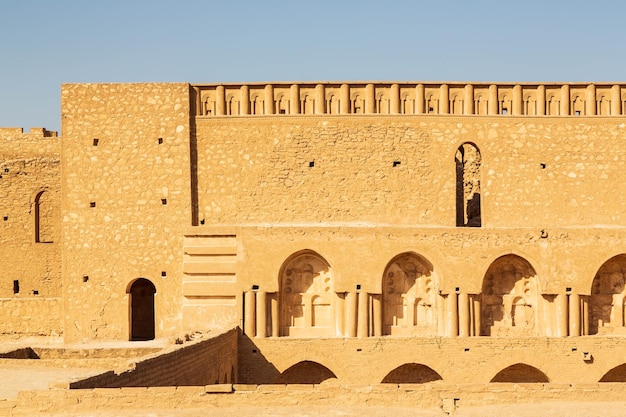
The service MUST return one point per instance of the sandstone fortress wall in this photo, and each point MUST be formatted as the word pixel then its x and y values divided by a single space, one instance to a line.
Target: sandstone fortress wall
pixel 424 227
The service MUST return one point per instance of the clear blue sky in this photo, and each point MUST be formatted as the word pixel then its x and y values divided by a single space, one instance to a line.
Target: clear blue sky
pixel 45 43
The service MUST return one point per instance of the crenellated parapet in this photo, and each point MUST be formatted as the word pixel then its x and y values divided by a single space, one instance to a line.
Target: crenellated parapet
pixel 18 133
pixel 517 99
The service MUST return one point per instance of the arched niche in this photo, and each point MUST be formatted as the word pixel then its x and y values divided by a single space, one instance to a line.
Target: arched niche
pixel 409 289
pixel 141 309
pixel 468 182
pixel 307 297
pixel 509 298
pixel 411 373
pixel 608 296
pixel 44 217
pixel 520 373
pixel 305 372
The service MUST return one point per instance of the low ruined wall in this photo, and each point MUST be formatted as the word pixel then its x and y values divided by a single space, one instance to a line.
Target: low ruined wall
pixel 31 317
pixel 212 361
pixel 425 396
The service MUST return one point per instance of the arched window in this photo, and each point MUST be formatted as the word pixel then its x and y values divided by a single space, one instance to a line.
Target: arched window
pixel 44 218
pixel 468 173
pixel 509 298
pixel 141 309
pixel 307 298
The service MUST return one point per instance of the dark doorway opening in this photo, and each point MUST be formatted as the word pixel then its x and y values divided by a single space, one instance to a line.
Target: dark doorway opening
pixel 142 310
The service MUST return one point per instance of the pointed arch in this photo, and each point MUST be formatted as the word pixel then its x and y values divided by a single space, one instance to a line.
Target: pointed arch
pixel 607 301
pixel 520 373
pixel 305 372
pixel 509 298
pixel 307 296
pixel 468 185
pixel 409 290
pixel 411 373
pixel 141 309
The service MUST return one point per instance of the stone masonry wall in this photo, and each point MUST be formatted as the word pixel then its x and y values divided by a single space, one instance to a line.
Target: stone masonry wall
pixel 126 200
pixel 30 180
pixel 474 360
pixel 301 398
pixel 205 362
pixel 536 172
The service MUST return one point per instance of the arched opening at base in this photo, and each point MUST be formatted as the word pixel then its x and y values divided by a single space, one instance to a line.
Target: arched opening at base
pixel 141 294
pixel 411 373
pixel 617 374
pixel 305 372
pixel 520 373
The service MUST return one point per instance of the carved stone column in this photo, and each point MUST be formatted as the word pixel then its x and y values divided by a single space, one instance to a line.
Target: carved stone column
pixel 475 304
pixel 565 99
pixel 616 100
pixel 377 312
pixel 345 99
pixel 452 317
pixel 275 315
pixel 370 99
pixel 249 307
pixel 574 315
pixel 468 100
pixel 363 316
pixel 561 315
pixel 419 99
pixel 444 99
pixel 394 97
pixel 517 101
pixel 294 99
pixel 590 101
pixel 541 100
pixel 244 99
pixel 320 99
pixel 464 315
pixel 492 105
pixel 261 314
pixel 269 99
pixel 220 100
pixel 351 314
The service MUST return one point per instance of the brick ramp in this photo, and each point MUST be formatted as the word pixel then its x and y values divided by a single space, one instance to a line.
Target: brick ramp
pixel 196 363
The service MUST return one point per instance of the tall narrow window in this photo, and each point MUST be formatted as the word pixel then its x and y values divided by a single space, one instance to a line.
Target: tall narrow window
pixel 44 219
pixel 468 163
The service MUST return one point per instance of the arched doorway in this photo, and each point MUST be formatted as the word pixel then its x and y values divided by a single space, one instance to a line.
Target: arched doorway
pixel 141 299
pixel 409 296
pixel 307 298
pixel 509 298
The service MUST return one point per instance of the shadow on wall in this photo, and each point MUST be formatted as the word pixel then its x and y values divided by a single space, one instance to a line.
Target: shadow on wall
pixel 617 374
pixel 411 373
pixel 254 368
pixel 520 373
pixel 305 372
